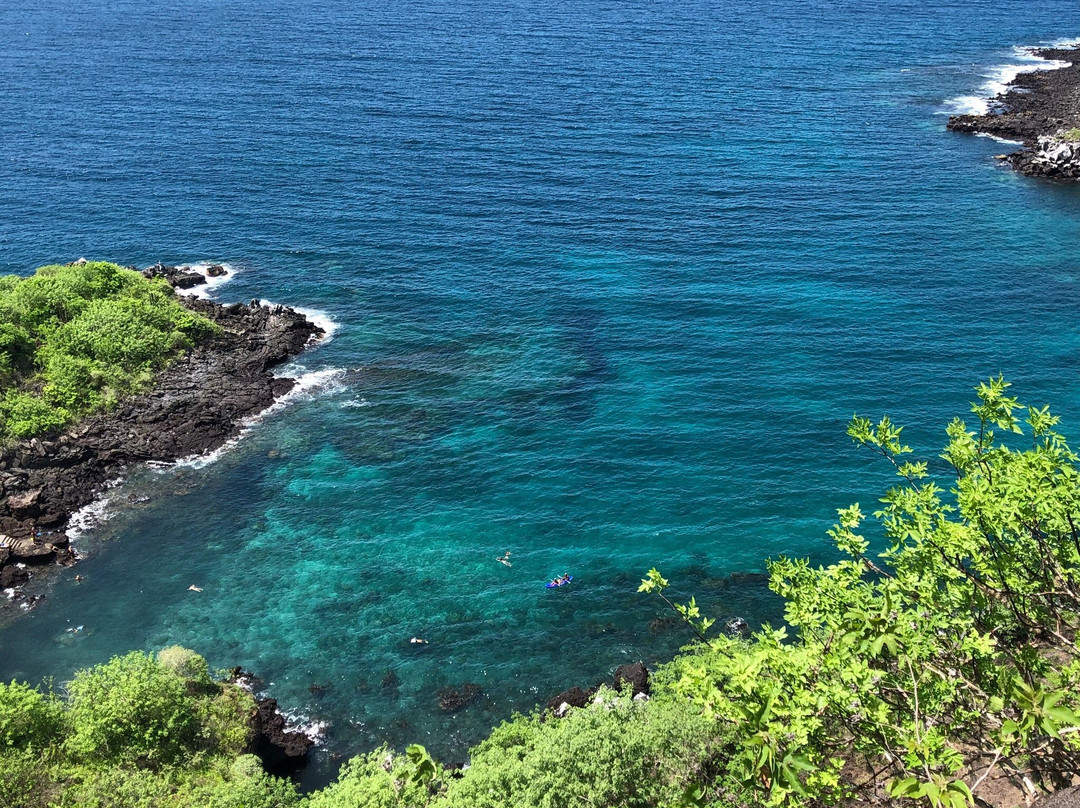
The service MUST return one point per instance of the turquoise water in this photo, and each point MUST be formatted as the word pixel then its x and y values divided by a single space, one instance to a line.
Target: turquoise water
pixel 608 280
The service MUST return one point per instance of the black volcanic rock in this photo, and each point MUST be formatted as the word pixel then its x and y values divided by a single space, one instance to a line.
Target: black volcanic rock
pixel 574 697
pixel 196 405
pixel 1035 108
pixel 636 674
pixel 279 748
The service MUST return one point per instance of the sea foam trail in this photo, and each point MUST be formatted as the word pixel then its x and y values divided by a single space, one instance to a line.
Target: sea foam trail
pixel 1000 77
pixel 90 516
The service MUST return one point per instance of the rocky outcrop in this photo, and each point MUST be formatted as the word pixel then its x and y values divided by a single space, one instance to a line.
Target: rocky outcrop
pixel 1052 156
pixel 1065 798
pixel 1038 108
pixel 196 405
pixel 635 674
pixel 278 747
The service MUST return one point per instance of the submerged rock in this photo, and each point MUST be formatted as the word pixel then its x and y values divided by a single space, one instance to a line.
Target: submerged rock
pixel 452 699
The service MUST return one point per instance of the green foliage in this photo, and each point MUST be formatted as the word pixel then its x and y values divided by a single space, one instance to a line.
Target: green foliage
pixel 24 779
pixel 75 338
pixel 690 613
pixel 29 719
pixel 933 663
pixel 23 415
pixel 615 753
pixel 138 732
pixel 225 720
pixel 378 779
pixel 131 710
pixel 184 663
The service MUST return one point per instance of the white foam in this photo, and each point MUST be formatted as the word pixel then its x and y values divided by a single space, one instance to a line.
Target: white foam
pixel 298 722
pixel 997 139
pixel 967 105
pixel 307 385
pixel 90 516
pixel 355 402
pixel 206 290
pixel 998 79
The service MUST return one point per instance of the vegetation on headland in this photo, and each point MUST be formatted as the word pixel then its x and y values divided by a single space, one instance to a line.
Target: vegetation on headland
pixel 76 338
pixel 926 672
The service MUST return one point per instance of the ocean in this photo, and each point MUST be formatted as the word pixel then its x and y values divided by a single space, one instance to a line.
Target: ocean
pixel 606 281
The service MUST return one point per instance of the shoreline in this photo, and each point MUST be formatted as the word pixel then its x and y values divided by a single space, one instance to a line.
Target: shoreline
pixel 199 403
pixel 1036 109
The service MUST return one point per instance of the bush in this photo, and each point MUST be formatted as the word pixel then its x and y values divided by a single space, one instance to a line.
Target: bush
pixel 25 780
pixel 945 659
pixel 618 752
pixel 74 338
pixel 29 719
pixel 375 780
pixel 131 711
pixel 23 415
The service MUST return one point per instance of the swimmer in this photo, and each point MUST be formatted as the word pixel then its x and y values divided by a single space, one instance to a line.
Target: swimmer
pixel 79 578
pixel 194 588
pixel 505 559
pixel 418 641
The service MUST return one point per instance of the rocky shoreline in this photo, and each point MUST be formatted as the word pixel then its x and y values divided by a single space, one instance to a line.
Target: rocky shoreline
pixel 1041 110
pixel 197 404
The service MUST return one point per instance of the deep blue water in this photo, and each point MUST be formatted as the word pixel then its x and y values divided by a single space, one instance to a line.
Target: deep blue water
pixel 609 279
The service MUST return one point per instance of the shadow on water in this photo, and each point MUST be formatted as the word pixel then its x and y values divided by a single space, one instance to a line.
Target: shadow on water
pixel 577 395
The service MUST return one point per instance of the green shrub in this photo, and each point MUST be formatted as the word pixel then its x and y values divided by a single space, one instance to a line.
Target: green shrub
pixel 247 786
pixel 614 753
pixel 74 338
pixel 25 780
pixel 24 415
pixel 944 660
pixel 225 720
pixel 184 663
pixel 29 719
pixel 131 710
pixel 379 779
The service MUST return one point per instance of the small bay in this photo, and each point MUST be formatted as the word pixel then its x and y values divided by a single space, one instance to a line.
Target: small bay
pixel 608 281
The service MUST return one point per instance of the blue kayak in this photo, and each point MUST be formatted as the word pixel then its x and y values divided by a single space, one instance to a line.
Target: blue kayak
pixel 560 582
